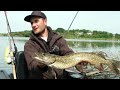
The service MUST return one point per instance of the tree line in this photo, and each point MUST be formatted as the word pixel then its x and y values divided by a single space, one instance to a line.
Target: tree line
pixel 73 34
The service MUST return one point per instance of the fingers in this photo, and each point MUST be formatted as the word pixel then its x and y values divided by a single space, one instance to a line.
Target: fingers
pixel 81 66
pixel 83 63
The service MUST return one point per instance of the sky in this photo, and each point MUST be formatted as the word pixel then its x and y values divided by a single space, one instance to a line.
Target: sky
pixel 108 21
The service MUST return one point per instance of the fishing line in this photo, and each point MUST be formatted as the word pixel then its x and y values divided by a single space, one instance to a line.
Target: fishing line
pixel 72 20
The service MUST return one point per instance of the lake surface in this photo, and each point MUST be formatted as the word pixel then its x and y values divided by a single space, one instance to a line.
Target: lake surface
pixel 112 48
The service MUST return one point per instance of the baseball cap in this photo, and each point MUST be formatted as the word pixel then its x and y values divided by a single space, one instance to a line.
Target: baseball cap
pixel 35 14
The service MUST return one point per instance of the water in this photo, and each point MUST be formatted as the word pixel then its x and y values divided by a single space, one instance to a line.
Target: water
pixel 112 48
pixel 4 42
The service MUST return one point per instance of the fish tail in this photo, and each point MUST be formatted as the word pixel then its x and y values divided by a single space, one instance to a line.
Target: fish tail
pixel 113 67
pixel 116 63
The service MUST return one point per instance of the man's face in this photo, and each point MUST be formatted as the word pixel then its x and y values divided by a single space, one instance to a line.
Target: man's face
pixel 38 24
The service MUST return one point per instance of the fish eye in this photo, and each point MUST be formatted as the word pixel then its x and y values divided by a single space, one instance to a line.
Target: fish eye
pixel 43 54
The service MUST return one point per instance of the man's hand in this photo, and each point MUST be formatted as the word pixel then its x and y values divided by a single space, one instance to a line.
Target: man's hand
pixel 80 66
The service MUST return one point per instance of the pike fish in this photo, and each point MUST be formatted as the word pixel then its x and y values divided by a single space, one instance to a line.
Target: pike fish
pixel 71 60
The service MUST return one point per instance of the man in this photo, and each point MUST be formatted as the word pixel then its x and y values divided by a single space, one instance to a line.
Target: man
pixel 43 39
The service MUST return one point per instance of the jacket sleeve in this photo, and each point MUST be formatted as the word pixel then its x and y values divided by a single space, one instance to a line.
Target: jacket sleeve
pixel 33 65
pixel 64 48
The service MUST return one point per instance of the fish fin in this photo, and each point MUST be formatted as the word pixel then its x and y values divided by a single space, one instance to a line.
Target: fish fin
pixel 100 67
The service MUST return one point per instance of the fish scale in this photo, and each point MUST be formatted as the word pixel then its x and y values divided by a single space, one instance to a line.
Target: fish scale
pixel 71 60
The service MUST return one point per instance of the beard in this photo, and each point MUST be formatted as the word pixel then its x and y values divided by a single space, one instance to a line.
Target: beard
pixel 41 31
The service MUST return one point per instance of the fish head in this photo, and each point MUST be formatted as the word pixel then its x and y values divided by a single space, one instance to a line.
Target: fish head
pixel 44 58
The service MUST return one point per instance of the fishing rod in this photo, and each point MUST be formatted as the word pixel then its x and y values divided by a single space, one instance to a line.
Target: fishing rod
pixel 72 20
pixel 12 54
pixel 71 23
pixel 9 32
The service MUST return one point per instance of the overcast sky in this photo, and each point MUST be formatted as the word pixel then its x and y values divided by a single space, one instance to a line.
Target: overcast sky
pixel 92 20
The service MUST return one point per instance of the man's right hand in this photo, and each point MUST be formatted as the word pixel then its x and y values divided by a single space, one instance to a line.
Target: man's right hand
pixel 80 66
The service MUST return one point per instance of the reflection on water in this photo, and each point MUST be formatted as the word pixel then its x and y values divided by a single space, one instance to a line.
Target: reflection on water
pixel 112 48
pixel 100 44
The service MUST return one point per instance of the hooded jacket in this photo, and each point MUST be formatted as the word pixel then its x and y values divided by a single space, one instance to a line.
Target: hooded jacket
pixel 55 44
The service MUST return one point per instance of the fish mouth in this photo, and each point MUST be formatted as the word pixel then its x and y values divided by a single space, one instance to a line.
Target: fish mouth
pixel 41 61
pixel 38 58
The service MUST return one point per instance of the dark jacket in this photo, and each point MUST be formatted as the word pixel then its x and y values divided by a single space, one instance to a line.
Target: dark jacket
pixel 55 44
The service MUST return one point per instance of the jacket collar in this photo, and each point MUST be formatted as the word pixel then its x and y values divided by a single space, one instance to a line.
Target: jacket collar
pixel 52 38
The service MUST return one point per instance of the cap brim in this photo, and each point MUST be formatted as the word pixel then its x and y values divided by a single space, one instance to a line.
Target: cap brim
pixel 27 18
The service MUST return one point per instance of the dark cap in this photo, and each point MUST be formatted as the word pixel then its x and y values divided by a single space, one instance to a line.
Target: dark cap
pixel 35 14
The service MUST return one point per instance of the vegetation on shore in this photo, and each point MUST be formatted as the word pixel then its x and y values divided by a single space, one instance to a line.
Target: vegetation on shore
pixel 73 34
